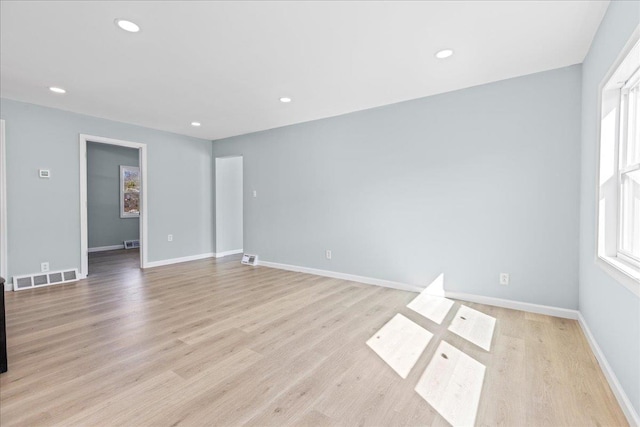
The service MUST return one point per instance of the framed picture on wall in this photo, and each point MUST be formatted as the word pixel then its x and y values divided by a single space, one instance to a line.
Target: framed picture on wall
pixel 129 191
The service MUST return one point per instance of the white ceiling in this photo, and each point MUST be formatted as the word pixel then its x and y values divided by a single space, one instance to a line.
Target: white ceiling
pixel 226 64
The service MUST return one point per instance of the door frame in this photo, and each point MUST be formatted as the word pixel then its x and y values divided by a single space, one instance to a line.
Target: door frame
pixel 215 173
pixel 4 246
pixel 144 211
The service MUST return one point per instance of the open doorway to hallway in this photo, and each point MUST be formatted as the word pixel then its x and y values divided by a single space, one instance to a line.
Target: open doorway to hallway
pixel 131 191
pixel 113 207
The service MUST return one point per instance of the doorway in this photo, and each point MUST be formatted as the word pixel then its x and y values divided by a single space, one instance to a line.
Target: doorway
pixel 3 205
pixel 102 233
pixel 229 206
pixel 113 208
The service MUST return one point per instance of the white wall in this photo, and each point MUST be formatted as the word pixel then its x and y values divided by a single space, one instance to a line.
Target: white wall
pixel 44 214
pixel 611 311
pixel 229 203
pixel 469 183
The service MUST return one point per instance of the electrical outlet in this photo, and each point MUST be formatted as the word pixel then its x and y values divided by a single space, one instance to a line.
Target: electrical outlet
pixel 170 238
pixel 44 267
pixel 328 254
pixel 504 279
pixel 255 193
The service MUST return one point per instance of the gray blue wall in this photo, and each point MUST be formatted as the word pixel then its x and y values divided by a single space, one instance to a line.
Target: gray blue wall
pixel 469 183
pixel 105 226
pixel 611 310
pixel 44 215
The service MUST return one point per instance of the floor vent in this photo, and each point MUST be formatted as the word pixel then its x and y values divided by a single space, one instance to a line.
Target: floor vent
pixel 131 244
pixel 39 280
pixel 249 259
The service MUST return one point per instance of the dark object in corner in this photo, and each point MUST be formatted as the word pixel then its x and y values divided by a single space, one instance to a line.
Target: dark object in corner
pixel 3 331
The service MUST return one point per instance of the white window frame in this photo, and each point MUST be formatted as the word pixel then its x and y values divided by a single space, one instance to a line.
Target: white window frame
pixel 624 168
pixel 622 266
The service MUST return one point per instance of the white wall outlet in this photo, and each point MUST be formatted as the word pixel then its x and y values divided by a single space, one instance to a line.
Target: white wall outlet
pixel 504 279
pixel 170 238
pixel 44 173
pixel 328 254
pixel 44 267
pixel 255 193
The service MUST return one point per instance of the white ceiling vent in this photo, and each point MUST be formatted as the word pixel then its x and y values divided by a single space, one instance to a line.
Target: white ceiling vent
pixel 38 280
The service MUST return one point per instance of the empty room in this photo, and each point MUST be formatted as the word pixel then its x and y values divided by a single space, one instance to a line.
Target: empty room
pixel 320 213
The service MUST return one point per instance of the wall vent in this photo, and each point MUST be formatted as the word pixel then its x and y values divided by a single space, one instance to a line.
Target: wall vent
pixel 131 244
pixel 39 280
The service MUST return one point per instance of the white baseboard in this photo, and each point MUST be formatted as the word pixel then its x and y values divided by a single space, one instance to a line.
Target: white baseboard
pixel 616 388
pixel 152 264
pixel 227 253
pixel 106 248
pixel 515 305
pixel 344 276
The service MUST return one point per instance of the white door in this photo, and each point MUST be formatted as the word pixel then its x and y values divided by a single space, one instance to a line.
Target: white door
pixel 229 205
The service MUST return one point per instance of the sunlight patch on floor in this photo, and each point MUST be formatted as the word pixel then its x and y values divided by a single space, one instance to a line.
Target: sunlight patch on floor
pixel 452 384
pixel 431 302
pixel 400 342
pixel 431 307
pixel 473 326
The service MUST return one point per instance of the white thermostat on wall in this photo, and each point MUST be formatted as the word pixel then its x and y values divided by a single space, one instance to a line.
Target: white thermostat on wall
pixel 44 173
pixel 249 259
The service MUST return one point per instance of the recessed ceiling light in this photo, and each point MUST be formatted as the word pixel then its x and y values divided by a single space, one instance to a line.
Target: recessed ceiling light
pixel 127 25
pixel 196 124
pixel 444 53
pixel 57 89
pixel 285 99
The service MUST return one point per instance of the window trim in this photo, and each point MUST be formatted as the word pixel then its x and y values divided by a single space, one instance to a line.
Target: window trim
pixel 620 267
pixel 623 167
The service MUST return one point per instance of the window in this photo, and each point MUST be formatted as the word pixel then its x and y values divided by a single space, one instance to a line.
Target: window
pixel 129 192
pixel 619 174
pixel 630 170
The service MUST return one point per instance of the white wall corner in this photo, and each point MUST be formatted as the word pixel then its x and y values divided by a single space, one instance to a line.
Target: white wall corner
pixel 625 404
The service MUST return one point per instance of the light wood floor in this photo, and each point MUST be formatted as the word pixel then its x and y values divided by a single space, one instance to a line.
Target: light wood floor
pixel 213 342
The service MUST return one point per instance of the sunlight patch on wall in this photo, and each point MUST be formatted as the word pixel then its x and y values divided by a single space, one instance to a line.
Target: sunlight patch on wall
pixel 433 308
pixel 431 302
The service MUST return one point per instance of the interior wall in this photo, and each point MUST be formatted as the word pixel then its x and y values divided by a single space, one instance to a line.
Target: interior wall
pixel 611 311
pixel 3 165
pixel 229 191
pixel 470 183
pixel 105 226
pixel 44 214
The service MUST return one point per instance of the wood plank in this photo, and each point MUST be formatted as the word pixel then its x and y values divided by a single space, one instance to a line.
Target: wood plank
pixel 212 342
pixel 474 326
pixel 452 385
pixel 400 342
